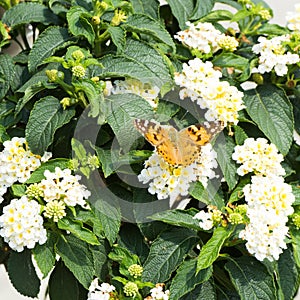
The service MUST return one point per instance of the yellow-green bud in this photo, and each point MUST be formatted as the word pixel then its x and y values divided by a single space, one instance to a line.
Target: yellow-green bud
pixel 258 78
pixel 78 71
pixel 55 210
pixel 131 289
pixel 265 14
pixel 235 218
pixel 119 17
pixel 65 102
pixel 296 220
pixel 96 20
pixel 74 164
pixel 78 55
pixel 135 270
pixel 93 161
pixel 34 191
pixel 52 75
pixel 95 79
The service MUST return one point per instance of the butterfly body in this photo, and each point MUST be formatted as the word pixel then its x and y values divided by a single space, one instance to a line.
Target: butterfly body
pixel 178 148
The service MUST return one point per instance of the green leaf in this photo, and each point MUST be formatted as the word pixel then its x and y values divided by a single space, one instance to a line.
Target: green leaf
pixel 108 212
pixel 77 257
pixel 211 250
pixel 237 193
pixel 44 255
pixel 22 273
pixel 269 107
pixel 3 135
pixel 202 8
pixel 272 29
pixel 226 163
pixel 77 228
pixel 26 13
pixel 239 135
pixel 100 257
pixel 186 279
pixel 18 190
pixel 251 279
pixel 131 238
pixel 63 284
pixel 45 118
pixel 178 217
pixel 288 274
pixel 7 70
pixel 79 24
pixel 208 195
pixel 50 40
pixel 240 15
pixel 38 174
pixel 147 7
pixel 204 291
pixel 217 15
pixel 167 252
pixel 231 60
pixel 144 24
pixel 124 109
pixel 139 61
pixel 296 192
pixel 118 37
pixel 182 10
pixel 105 160
pixel 295 236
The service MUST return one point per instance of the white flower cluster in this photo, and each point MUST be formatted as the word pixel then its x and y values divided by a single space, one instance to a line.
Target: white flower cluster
pixel 62 185
pixel 22 225
pixel 158 293
pixel 100 292
pixel 17 163
pixel 134 86
pixel 269 202
pixel 273 55
pixel 201 83
pixel 293 18
pixel 169 181
pixel 258 156
pixel 205 38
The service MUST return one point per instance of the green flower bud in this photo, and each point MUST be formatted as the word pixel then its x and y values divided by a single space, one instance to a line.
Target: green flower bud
pixel 78 71
pixel 135 270
pixel 95 20
pixel 34 191
pixel 78 55
pixel 131 289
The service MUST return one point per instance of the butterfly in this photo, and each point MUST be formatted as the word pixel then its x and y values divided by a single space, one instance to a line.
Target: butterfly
pixel 178 148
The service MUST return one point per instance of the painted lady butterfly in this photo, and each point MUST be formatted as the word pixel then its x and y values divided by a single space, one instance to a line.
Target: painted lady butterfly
pixel 178 148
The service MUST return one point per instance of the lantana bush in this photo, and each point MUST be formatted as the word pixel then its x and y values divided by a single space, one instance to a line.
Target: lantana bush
pixel 150 150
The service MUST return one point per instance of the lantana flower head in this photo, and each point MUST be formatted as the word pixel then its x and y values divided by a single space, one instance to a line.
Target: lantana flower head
pixel 293 18
pixel 17 163
pixel 269 202
pixel 22 224
pixel 258 156
pixel 158 293
pixel 201 83
pixel 273 55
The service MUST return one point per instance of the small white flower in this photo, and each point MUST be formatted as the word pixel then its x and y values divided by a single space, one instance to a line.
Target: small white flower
pixel 100 292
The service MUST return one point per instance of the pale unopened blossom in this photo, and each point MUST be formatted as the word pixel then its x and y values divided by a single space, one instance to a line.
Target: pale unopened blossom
pixel 22 224
pixel 158 293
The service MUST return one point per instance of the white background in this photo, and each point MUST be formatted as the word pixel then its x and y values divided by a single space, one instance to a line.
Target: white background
pixel 280 8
